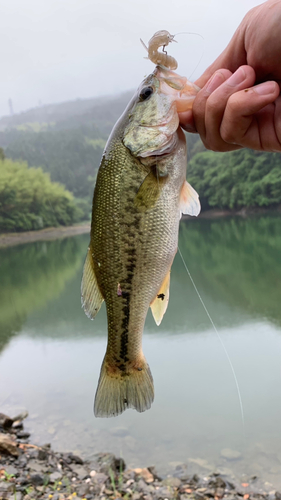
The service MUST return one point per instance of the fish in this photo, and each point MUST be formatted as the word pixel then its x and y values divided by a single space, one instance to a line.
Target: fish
pixel 140 194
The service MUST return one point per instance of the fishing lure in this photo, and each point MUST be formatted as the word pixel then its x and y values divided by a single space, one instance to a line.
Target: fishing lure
pixel 161 39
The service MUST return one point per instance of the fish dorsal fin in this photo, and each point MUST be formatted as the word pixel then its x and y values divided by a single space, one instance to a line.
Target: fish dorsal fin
pixel 91 297
pixel 160 303
pixel 189 200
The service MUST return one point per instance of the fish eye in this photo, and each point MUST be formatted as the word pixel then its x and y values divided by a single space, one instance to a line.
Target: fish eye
pixel 145 93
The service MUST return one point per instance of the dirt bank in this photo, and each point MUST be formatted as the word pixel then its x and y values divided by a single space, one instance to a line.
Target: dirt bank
pixel 51 233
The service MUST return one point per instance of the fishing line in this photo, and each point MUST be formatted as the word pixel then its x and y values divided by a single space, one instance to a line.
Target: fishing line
pixel 203 52
pixel 220 339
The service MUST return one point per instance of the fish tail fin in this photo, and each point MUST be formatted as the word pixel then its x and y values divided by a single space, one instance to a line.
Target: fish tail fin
pixel 118 390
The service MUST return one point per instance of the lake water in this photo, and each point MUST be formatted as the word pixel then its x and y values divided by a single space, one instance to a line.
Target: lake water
pixel 50 352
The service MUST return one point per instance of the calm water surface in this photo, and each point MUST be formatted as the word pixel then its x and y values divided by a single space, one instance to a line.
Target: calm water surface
pixel 50 352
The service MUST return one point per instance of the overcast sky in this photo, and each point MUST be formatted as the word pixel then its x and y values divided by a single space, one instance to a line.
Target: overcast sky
pixel 59 50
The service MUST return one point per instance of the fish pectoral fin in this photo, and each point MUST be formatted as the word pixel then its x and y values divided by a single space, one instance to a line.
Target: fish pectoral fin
pixel 91 296
pixel 160 303
pixel 149 191
pixel 189 200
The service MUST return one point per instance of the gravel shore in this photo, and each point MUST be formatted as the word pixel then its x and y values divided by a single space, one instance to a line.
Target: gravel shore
pixel 28 471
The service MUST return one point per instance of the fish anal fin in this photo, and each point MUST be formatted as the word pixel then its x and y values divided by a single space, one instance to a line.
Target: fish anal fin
pixel 149 191
pixel 91 296
pixel 118 390
pixel 160 303
pixel 189 200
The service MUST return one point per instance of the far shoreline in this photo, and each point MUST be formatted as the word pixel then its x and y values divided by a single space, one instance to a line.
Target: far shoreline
pixel 53 233
pixel 48 234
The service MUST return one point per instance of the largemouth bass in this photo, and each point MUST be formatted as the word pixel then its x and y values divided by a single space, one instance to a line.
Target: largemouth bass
pixel 139 197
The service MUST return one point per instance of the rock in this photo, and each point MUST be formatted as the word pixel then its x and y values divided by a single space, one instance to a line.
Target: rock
pixel 37 479
pixel 75 459
pixel 107 461
pixel 99 478
pixel 277 495
pixel 143 487
pixel 181 472
pixel 164 492
pixel 83 490
pixel 22 480
pixel 7 445
pixel 55 476
pixel 145 474
pixel 81 472
pixel 23 434
pixel 42 454
pixel 217 482
pixel 173 482
pixel 6 487
pixel 22 461
pixel 17 496
pixel 136 496
pixel 36 466
pixel 230 454
pixel 17 424
pixel 10 469
pixel 152 469
pixel 21 416
pixel 5 421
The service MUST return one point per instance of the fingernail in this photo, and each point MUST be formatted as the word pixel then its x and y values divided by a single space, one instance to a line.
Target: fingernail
pixel 265 88
pixel 216 80
pixel 237 77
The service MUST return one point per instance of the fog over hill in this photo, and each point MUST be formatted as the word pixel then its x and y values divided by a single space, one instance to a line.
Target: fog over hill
pixel 99 111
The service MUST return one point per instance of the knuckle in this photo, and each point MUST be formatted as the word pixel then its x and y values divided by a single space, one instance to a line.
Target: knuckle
pixel 212 105
pixel 228 134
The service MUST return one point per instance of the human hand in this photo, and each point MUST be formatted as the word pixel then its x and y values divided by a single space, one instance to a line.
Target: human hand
pixel 229 114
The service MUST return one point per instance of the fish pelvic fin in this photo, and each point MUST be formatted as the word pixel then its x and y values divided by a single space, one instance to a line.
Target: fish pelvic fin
pixel 159 305
pixel 119 390
pixel 189 200
pixel 91 297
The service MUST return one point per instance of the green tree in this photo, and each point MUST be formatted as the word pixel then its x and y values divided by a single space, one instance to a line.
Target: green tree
pixel 29 200
pixel 238 179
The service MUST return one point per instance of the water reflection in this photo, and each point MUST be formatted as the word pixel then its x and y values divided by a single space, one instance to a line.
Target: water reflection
pixel 236 262
pixel 236 266
pixel 32 275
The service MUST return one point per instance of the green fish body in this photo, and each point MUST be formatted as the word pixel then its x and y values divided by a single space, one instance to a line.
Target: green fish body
pixel 139 196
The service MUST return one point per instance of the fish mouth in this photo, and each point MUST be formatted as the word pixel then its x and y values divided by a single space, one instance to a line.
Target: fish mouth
pixel 181 91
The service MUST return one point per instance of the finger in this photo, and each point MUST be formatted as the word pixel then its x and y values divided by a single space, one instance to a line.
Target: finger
pixel 250 118
pixel 217 102
pixel 199 105
pixel 187 121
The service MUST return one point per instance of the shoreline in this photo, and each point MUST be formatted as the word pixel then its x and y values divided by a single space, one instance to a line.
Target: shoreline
pixel 29 471
pixel 53 233
pixel 48 234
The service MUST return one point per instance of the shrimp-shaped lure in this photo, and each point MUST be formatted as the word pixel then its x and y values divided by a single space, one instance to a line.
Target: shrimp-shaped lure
pixel 160 39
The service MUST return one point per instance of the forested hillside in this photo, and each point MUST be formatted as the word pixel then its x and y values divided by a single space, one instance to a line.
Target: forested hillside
pixel 237 179
pixel 67 140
